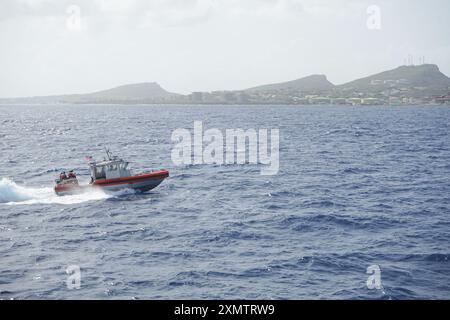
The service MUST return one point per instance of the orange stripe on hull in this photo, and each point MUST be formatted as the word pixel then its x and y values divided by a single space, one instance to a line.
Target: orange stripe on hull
pixel 74 188
pixel 133 179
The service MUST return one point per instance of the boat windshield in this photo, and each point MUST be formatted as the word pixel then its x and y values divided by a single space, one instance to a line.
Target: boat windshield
pixel 100 172
pixel 123 165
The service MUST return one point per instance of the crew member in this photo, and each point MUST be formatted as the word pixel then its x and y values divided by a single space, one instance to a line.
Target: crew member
pixel 63 176
pixel 72 174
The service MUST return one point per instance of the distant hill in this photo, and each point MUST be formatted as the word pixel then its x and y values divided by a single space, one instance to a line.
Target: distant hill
pixel 127 93
pixel 426 75
pixel 406 84
pixel 316 82
pixel 138 91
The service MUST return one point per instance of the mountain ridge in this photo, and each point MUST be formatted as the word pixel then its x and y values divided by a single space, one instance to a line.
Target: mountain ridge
pixel 417 81
pixel 425 75
pixel 314 82
pixel 132 92
pixel 143 90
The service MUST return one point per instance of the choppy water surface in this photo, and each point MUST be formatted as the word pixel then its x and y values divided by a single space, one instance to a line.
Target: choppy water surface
pixel 358 186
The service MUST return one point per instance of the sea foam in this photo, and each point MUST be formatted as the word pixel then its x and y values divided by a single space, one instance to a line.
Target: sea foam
pixel 13 194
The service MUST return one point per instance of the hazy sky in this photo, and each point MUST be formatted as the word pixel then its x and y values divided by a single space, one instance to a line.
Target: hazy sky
pixel 58 46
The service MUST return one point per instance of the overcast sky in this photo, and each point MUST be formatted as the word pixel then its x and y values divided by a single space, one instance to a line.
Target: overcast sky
pixel 58 46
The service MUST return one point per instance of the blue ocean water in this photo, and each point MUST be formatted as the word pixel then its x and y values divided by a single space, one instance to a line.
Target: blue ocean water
pixel 357 186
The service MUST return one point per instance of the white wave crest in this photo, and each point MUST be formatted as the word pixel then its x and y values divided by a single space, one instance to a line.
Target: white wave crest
pixel 13 194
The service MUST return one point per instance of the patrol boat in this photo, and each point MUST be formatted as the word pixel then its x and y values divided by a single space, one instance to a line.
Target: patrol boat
pixel 111 174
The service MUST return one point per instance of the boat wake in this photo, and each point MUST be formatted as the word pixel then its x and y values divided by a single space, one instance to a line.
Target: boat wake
pixel 13 194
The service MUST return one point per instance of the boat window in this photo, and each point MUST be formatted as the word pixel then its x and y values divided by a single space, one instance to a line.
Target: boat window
pixel 100 173
pixel 123 166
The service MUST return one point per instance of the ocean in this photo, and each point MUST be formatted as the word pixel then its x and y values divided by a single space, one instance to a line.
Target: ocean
pixel 358 189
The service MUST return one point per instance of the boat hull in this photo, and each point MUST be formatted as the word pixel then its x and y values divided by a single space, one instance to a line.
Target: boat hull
pixel 141 183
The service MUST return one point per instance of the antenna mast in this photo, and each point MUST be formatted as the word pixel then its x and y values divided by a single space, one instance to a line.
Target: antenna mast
pixel 108 153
